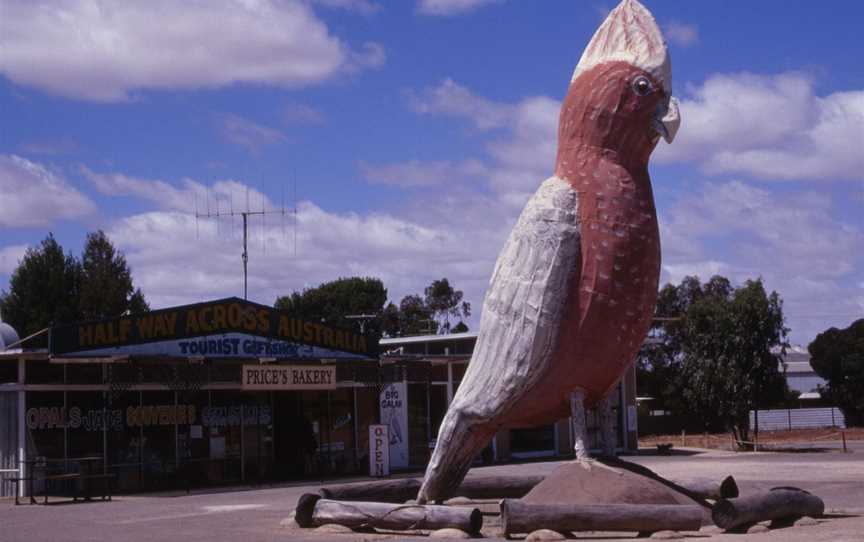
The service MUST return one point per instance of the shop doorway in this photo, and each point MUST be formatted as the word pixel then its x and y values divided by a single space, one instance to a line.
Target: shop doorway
pixel 295 444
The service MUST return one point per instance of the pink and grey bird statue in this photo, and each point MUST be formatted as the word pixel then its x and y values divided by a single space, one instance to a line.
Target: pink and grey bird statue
pixel 572 294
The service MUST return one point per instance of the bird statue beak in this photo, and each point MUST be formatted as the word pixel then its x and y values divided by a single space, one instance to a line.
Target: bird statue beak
pixel 668 120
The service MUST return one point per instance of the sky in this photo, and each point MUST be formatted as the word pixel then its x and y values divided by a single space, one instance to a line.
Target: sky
pixel 400 139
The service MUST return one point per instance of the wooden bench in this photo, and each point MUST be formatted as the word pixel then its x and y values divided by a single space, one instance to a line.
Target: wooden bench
pixel 17 482
pixel 108 479
pixel 58 478
pixel 84 492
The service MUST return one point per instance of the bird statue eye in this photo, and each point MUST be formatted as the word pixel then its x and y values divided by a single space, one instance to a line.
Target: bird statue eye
pixel 642 86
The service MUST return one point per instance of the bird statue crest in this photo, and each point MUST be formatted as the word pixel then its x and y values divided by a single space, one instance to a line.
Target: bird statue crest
pixel 572 294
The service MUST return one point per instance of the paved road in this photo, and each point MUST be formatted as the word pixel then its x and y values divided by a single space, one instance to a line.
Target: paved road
pixel 254 515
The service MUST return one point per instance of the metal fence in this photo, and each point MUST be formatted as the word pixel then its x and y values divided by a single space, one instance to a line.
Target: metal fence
pixel 798 418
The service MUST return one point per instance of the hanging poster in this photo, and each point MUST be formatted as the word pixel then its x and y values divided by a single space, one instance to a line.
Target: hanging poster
pixel 394 414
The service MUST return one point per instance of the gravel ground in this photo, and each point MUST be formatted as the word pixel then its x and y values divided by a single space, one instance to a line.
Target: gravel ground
pixel 254 514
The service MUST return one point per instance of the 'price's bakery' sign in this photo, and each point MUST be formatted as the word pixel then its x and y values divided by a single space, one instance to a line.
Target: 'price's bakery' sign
pixel 289 377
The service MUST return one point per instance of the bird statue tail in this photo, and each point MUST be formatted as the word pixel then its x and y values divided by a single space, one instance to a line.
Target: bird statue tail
pixel 460 439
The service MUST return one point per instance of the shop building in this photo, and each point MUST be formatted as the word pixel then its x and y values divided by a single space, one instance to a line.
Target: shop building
pixel 230 391
pixel 448 356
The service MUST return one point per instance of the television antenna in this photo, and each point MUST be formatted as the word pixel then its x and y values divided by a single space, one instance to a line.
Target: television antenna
pixel 263 212
pixel 363 318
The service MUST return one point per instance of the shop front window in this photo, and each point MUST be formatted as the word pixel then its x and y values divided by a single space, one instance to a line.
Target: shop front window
pixel 339 451
pixel 534 442
pixel 8 371
pixel 87 420
pixel 222 422
pixel 367 414
pixel 124 439
pixel 257 436
pixel 437 407
pixel 156 416
pixel 313 432
pixel 418 423
pixel 43 372
pixel 46 419
pixel 193 451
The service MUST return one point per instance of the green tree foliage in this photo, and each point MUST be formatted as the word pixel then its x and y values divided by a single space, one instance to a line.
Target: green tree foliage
pixel 49 287
pixel 43 290
pixel 659 364
pixel 717 353
pixel 445 302
pixel 732 341
pixel 415 317
pixel 332 301
pixel 837 355
pixel 106 289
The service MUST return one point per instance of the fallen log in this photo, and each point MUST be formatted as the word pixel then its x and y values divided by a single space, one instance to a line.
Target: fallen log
pixel 392 491
pixel 313 511
pixel 497 487
pixel 709 489
pixel 521 517
pixel 398 491
pixel 778 504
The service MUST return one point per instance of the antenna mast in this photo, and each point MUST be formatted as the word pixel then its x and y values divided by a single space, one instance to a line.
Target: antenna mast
pixel 245 215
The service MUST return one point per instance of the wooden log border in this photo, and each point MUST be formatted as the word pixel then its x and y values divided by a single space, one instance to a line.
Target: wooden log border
pixel 313 511
pixel 522 517
pixel 777 504
pixel 399 491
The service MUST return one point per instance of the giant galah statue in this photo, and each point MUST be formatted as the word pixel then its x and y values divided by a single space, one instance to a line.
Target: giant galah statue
pixel 573 291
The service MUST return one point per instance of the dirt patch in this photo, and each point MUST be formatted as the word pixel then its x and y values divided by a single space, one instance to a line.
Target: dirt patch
pixel 775 440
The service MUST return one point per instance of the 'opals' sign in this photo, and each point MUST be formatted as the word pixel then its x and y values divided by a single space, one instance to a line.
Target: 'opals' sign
pixel 289 377
pixel 226 328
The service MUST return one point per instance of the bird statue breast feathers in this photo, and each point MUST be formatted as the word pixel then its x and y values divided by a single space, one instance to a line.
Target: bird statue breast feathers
pixel 573 291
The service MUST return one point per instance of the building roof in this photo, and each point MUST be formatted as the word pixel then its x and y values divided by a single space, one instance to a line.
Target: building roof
pixel 396 341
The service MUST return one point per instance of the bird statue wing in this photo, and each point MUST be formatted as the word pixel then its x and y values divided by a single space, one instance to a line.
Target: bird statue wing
pixel 521 314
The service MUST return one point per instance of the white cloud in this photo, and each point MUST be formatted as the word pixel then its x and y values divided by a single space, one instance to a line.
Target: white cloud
pixel 450 7
pixel 10 256
pixel 106 51
pixel 792 240
pixel 363 7
pixel 682 34
pixel 525 156
pixel 675 272
pixel 34 195
pixel 770 127
pixel 796 232
pixel 248 134
pixel 736 229
pixel 415 173
pixel 176 261
pixel 452 99
pixel 522 152
pixel 190 196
